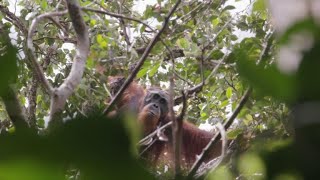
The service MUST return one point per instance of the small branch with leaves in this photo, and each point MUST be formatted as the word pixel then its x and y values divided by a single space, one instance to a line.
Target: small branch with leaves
pixel 216 138
pixel 142 59
pixel 59 95
pixel 228 123
pixel 8 95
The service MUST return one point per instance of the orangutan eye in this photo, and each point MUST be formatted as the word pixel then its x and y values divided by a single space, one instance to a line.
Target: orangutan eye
pixel 156 96
pixel 162 101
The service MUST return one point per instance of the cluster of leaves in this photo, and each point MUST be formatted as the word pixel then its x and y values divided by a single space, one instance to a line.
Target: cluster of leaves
pixel 199 35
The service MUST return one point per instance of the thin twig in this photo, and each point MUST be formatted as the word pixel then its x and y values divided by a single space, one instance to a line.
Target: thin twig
pixel 124 27
pixel 37 68
pixel 142 59
pixel 198 88
pixel 154 133
pixel 184 106
pixel 146 148
pixel 175 131
pixel 183 79
pixel 211 165
pixel 117 16
pixel 57 23
pixel 178 136
pixel 231 119
pixel 121 17
pixel 217 137
pixel 15 20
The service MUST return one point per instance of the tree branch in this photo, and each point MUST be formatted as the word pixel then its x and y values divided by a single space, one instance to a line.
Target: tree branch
pixel 177 132
pixel 32 99
pixel 184 106
pixel 176 129
pixel 15 20
pixel 142 59
pixel 141 142
pixel 217 137
pixel 7 94
pixel 198 88
pixel 30 50
pixel 211 165
pixel 14 109
pixel 60 94
pixel 117 16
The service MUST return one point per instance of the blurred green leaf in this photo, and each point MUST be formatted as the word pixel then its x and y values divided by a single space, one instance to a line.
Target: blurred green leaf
pixel 308 81
pixel 154 69
pixel 221 172
pixel 229 7
pixel 102 41
pixel 234 133
pixel 183 43
pixel 259 6
pixel 8 66
pixel 252 166
pixel 267 80
pixel 99 147
pixel 142 72
pixel 229 92
pixel 307 25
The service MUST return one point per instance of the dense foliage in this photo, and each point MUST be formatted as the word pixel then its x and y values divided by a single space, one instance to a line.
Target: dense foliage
pixel 205 44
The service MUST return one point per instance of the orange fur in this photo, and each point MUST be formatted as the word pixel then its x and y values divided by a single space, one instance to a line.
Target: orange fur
pixel 193 139
pixel 148 120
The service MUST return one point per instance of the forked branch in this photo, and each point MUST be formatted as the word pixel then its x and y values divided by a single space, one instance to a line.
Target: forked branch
pixel 61 94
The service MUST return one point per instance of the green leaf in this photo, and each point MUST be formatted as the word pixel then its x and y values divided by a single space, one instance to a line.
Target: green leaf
pixel 229 7
pixel 308 81
pixel 183 43
pixel 93 22
pixel 216 54
pixel 266 80
pixel 233 37
pixel 12 129
pixel 142 72
pixel 301 26
pixel 154 69
pixel 203 114
pixel 249 117
pixel 28 169
pixel 233 134
pixel 215 22
pixel 142 29
pixel 22 99
pixel 250 164
pixel 101 41
pixel 41 123
pixel 229 92
pixel 259 6
pixel 157 48
pixel 8 66
pixel 221 172
pixel 224 103
pixel 194 50
pixel 90 63
pixel 39 98
pixel 44 4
